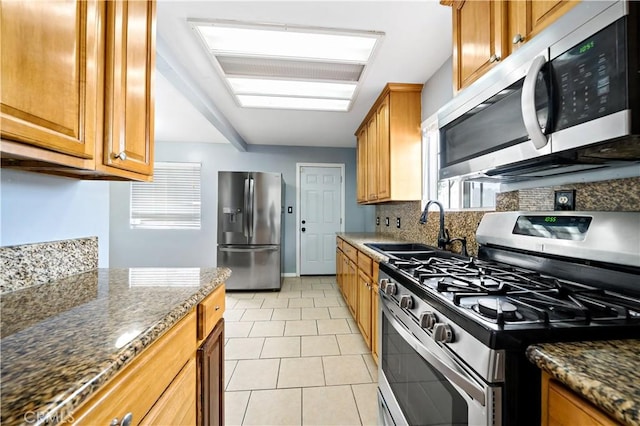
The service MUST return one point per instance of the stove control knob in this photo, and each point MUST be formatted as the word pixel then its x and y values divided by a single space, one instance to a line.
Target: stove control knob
pixel 390 289
pixel 383 283
pixel 442 333
pixel 428 320
pixel 406 302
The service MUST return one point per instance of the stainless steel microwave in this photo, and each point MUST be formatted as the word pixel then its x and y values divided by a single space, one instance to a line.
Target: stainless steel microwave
pixel 566 101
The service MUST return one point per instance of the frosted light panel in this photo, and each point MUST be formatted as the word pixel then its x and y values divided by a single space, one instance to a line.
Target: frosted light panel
pixel 293 103
pixel 291 88
pixel 290 43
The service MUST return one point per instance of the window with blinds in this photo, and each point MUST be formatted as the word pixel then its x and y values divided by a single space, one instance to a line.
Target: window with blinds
pixel 171 201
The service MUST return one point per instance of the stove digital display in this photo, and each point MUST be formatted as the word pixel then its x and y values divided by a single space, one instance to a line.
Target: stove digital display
pixel 553 227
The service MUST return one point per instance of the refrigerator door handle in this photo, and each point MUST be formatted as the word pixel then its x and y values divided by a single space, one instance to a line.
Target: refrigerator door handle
pixel 251 206
pixel 245 224
pixel 248 249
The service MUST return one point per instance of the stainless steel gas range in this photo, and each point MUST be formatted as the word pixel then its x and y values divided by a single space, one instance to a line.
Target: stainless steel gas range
pixel 454 329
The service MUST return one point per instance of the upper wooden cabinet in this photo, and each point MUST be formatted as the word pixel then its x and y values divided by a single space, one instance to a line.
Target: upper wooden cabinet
pixel 485 32
pixel 361 190
pixel 528 18
pixel 129 100
pixel 51 62
pixel 391 169
pixel 478 40
pixel 77 87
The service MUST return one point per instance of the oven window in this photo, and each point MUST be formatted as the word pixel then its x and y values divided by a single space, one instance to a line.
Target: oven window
pixel 424 395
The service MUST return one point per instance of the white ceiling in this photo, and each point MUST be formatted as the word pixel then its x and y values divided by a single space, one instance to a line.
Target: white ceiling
pixel 417 41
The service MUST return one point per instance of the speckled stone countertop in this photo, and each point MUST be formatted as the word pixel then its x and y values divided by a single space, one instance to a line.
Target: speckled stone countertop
pixel 358 239
pixel 62 340
pixel 607 373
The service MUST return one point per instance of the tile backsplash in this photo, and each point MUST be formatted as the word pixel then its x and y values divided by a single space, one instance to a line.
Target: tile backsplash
pixel 611 195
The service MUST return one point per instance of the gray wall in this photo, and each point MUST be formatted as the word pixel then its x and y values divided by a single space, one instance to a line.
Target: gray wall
pixel 438 90
pixel 137 247
pixel 38 208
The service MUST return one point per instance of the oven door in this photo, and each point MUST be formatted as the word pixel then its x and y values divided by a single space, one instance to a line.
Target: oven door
pixel 420 384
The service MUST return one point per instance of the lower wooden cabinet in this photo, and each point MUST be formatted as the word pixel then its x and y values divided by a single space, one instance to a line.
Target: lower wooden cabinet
pixel 164 384
pixel 364 306
pixel 562 407
pixel 211 378
pixel 358 282
pixel 175 406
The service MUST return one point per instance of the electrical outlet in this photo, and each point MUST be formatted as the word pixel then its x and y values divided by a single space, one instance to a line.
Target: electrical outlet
pixel 378 221
pixel 386 221
pixel 397 222
pixel 290 209
pixel 565 200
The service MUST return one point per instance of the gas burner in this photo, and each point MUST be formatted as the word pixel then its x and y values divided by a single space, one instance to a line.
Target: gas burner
pixel 497 309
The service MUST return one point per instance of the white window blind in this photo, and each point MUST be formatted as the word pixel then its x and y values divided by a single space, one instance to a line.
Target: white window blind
pixel 171 201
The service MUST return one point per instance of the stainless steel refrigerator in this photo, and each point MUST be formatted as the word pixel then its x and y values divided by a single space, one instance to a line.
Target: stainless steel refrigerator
pixel 250 229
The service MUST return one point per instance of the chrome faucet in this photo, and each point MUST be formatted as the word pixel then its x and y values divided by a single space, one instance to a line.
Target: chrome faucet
pixel 443 234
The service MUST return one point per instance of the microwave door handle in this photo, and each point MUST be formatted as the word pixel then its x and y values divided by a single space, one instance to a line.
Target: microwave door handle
pixel 457 378
pixel 528 104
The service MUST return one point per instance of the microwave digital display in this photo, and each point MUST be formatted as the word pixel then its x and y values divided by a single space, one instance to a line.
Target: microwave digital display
pixel 554 227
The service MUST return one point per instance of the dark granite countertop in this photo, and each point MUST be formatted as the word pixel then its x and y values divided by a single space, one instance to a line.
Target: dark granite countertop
pixel 357 239
pixel 606 373
pixel 62 340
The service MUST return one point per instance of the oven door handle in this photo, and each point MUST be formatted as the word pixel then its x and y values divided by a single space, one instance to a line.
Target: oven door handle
pixel 476 392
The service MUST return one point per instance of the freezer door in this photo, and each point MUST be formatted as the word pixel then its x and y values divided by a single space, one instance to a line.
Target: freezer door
pixel 265 208
pixel 252 268
pixel 233 202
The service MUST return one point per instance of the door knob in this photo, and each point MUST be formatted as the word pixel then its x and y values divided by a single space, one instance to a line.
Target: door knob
pixel 304 229
pixel 304 221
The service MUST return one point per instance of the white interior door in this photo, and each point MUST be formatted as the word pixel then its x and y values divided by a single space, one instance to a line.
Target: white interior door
pixel 320 218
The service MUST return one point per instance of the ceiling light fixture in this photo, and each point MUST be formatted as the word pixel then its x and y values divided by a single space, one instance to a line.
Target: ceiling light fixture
pixel 284 66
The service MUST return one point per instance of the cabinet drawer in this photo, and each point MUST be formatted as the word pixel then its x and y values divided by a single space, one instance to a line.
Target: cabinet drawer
pixel 210 311
pixel 177 405
pixel 350 251
pixel 365 263
pixel 138 386
pixel 339 243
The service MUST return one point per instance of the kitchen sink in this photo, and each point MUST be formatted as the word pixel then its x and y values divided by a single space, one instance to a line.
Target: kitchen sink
pixel 403 250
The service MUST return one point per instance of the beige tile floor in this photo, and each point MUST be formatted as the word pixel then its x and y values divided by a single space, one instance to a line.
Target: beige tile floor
pixel 296 357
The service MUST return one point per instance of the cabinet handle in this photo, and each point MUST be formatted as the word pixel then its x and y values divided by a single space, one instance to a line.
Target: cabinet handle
pixel 120 156
pixel 126 420
pixel 217 308
pixel 494 58
pixel 517 38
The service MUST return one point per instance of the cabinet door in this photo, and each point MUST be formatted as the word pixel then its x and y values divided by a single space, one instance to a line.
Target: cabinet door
pixel 50 68
pixel 544 12
pixel 477 39
pixel 177 405
pixel 352 290
pixel 210 402
pixel 528 18
pixel 374 312
pixel 129 100
pixel 372 159
pixel 362 171
pixel 364 307
pixel 384 151
pixel 560 407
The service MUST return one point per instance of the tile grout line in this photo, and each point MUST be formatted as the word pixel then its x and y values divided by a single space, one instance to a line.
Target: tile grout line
pixel 355 400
